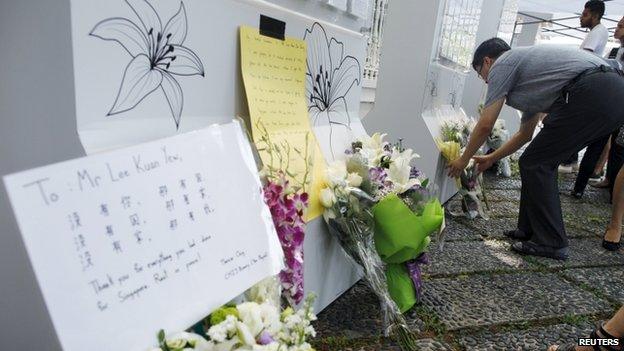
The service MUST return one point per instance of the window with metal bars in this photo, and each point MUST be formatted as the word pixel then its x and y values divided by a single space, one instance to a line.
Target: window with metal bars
pixel 459 32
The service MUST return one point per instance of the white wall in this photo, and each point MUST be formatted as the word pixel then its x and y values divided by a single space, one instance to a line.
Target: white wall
pixel 37 127
pixel 408 44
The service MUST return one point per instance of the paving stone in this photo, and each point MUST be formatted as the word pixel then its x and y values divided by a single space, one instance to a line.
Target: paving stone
pixel 576 232
pixel 587 216
pixel 503 209
pixel 387 345
pixel 481 300
pixel 493 227
pixel 457 230
pixel 356 314
pixel 585 252
pixel 598 196
pixel 497 195
pixel 475 256
pixel 431 345
pixel 531 339
pixel 502 183
pixel 608 280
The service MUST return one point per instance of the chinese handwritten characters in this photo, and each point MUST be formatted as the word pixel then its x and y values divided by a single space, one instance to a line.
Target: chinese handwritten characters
pixel 171 228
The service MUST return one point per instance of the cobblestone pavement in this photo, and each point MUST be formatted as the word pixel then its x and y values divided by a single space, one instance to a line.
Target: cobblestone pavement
pixel 478 295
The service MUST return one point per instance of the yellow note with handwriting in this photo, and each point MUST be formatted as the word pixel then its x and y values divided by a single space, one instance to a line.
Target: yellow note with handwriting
pixel 274 77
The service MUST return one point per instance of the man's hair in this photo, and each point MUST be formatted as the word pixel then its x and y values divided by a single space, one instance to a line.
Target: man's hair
pixel 596 7
pixel 491 48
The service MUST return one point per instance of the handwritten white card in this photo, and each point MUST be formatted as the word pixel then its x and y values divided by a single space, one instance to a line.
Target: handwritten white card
pixel 152 236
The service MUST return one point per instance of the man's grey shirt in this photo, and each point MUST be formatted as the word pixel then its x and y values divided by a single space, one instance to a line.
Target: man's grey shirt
pixel 531 78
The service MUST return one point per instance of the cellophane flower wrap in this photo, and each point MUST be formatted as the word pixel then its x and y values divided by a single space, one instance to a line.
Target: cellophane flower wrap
pixel 249 326
pixel 454 136
pixel 379 208
pixel 499 136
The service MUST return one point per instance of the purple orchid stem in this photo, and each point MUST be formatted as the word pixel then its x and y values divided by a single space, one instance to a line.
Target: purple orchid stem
pixel 287 212
pixel 413 268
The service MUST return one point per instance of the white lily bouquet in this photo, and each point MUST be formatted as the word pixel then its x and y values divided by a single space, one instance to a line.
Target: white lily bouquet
pixel 380 209
pixel 249 326
pixel 454 136
pixel 495 140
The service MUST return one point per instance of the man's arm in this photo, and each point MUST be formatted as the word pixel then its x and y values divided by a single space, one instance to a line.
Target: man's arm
pixel 521 137
pixel 478 136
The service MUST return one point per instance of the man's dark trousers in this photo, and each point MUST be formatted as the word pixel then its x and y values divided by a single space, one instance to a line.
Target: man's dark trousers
pixel 594 108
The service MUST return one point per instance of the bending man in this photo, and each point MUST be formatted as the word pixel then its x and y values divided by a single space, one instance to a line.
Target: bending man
pixel 584 98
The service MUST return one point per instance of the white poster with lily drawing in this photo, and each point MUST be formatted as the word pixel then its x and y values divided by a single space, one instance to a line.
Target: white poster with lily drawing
pixel 153 236
pixel 148 69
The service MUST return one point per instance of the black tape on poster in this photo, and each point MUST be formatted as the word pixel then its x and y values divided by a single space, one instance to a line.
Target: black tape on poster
pixel 272 27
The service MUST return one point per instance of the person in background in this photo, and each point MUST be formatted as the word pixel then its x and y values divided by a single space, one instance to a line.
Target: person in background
pixel 573 87
pixel 595 42
pixel 591 162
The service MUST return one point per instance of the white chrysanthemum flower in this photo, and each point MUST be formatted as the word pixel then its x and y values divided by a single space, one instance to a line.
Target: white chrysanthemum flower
pixel 218 332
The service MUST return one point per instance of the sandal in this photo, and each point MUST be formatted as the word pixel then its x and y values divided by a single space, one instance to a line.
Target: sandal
pixel 610 245
pixel 605 335
pixel 533 249
pixel 517 234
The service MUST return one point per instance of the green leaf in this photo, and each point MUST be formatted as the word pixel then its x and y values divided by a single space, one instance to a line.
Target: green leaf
pixel 161 336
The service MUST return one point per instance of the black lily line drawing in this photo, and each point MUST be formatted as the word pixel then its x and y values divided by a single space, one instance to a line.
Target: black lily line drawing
pixel 330 75
pixel 158 56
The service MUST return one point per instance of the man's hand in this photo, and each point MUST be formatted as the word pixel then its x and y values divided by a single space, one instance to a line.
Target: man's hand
pixel 455 168
pixel 483 162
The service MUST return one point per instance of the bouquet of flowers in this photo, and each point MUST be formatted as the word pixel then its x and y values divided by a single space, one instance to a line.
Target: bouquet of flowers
pixel 454 136
pixel 495 140
pixel 249 326
pixel 379 208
